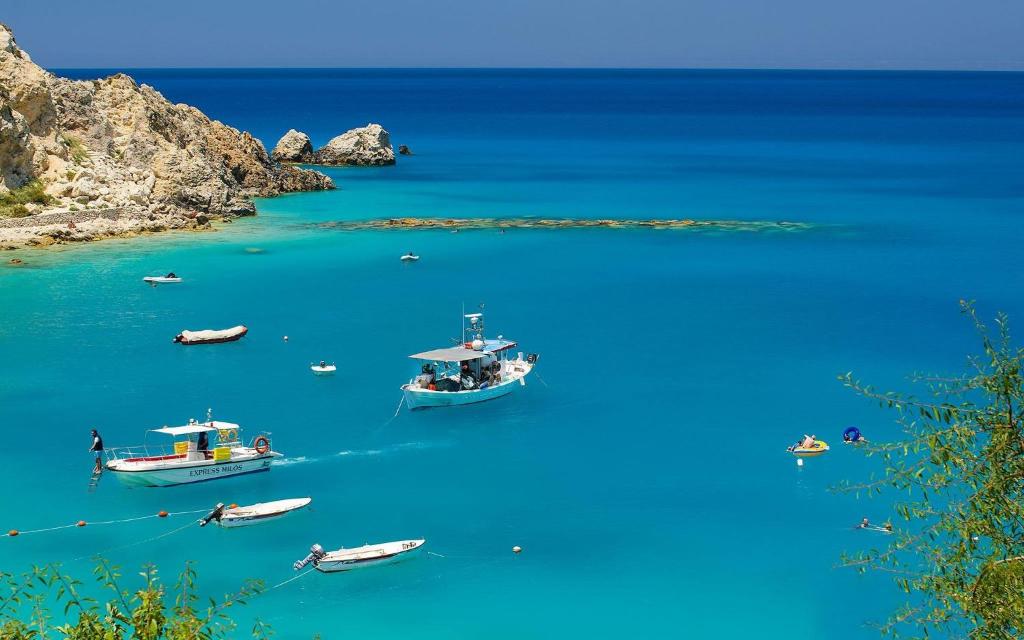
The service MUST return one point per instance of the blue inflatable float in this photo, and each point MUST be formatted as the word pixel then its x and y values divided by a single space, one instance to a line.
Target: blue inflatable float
pixel 852 434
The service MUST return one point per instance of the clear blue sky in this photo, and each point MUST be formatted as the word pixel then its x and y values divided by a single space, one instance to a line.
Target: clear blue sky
pixel 868 34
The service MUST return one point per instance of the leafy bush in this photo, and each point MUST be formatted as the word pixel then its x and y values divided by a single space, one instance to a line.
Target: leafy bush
pixel 12 203
pixel 79 154
pixel 144 614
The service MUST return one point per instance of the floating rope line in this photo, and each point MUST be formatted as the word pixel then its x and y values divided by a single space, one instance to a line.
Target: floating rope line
pixel 292 579
pixel 82 523
pixel 137 543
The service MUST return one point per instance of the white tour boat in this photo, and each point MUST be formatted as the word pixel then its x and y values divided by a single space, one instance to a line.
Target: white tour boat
pixel 235 516
pixel 475 371
pixel 192 458
pixel 358 557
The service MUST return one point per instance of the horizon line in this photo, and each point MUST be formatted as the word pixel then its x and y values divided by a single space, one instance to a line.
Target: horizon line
pixel 547 68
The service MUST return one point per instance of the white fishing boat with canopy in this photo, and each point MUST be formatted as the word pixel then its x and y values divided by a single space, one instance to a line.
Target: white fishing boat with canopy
pixel 479 369
pixel 191 458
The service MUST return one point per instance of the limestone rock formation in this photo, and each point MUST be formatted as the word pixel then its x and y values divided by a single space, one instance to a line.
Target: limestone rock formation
pixel 365 146
pixel 293 146
pixel 114 144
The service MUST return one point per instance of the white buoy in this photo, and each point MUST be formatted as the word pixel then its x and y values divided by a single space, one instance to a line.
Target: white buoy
pixel 286 338
pixel 516 549
pixel 799 462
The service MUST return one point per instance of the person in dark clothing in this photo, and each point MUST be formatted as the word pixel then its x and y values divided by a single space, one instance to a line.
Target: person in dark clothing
pixel 203 444
pixel 97 448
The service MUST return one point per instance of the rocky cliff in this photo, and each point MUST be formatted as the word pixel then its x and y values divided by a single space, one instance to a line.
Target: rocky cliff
pixel 114 144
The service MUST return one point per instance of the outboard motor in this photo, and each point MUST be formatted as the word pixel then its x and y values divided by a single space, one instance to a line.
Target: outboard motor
pixel 316 552
pixel 532 358
pixel 217 512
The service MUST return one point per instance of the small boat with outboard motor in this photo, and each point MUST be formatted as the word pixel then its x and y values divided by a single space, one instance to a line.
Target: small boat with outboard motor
pixel 211 336
pixel 476 370
pixel 410 257
pixel 170 278
pixel 259 513
pixel 359 557
pixel 191 458
pixel 323 369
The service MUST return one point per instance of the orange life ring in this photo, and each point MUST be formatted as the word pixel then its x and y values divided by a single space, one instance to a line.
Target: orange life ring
pixel 262 445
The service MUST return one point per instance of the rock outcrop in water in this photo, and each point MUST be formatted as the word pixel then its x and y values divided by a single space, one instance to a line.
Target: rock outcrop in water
pixel 455 224
pixel 113 144
pixel 365 146
pixel 293 146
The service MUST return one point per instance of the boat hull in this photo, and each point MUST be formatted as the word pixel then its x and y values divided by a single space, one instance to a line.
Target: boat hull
pixel 160 280
pixel 261 513
pixel 388 553
pixel 213 337
pixel 190 473
pixel 418 398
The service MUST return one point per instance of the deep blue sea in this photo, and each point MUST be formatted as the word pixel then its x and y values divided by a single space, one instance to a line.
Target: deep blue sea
pixel 643 469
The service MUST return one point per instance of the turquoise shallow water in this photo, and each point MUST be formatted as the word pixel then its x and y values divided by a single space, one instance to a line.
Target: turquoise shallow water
pixel 643 470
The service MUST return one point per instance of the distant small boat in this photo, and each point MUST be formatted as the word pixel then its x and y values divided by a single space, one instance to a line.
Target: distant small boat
pixel 819 447
pixel 161 279
pixel 323 369
pixel 211 336
pixel 410 257
pixel 255 513
pixel 359 557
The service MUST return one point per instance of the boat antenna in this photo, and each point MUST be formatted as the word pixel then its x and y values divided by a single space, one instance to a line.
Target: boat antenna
pixel 209 415
pixel 462 335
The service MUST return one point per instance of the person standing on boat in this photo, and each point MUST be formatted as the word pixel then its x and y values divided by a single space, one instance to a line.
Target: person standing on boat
pixel 97 448
pixel 204 443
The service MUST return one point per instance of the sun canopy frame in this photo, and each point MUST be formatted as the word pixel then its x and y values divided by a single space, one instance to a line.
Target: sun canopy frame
pixel 452 354
pixel 189 429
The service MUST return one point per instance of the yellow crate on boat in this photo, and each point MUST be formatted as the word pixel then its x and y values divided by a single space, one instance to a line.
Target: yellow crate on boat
pixel 221 453
pixel 180 447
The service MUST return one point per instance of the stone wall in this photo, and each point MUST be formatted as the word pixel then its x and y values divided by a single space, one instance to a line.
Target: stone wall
pixel 64 217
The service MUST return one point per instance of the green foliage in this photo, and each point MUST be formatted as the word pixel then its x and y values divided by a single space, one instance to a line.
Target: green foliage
pixel 140 615
pixel 12 203
pixel 961 463
pixel 79 153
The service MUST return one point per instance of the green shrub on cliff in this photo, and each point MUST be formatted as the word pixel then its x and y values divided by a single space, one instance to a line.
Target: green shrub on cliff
pixel 79 154
pixel 144 614
pixel 12 203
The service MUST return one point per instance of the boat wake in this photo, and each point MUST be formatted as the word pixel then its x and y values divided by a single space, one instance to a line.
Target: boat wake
pixel 360 453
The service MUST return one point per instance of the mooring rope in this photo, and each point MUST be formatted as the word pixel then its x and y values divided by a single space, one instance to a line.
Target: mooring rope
pixel 138 542
pixel 83 523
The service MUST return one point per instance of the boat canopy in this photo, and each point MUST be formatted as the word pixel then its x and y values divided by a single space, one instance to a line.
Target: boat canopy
pixel 452 354
pixel 196 428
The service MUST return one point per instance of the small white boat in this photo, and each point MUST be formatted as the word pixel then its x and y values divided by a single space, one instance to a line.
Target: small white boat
pixel 254 513
pixel 168 279
pixel 410 257
pixel 323 369
pixel 191 459
pixel 475 371
pixel 211 336
pixel 358 557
